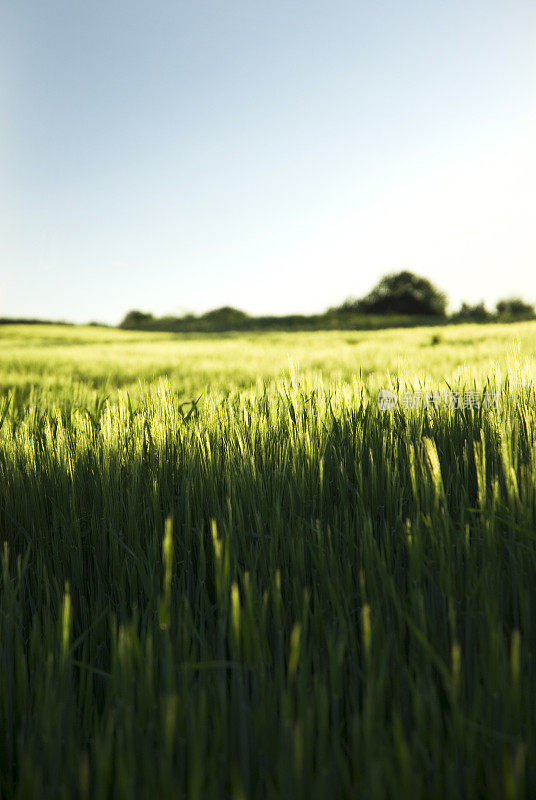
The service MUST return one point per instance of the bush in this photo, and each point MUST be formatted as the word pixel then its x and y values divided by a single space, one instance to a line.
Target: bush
pixel 136 319
pixel 476 313
pixel 401 293
pixel 224 318
pixel 514 307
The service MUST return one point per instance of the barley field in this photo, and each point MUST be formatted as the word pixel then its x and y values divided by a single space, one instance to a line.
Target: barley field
pixel 227 573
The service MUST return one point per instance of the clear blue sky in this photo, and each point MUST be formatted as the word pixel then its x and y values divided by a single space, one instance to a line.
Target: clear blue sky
pixel 275 156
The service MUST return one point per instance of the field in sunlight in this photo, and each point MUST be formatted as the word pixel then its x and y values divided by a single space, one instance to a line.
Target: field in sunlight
pixel 107 359
pixel 279 590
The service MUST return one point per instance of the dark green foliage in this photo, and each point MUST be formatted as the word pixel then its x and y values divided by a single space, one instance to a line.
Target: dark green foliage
pixel 221 320
pixel 226 315
pixel 514 307
pixel 31 321
pixel 476 313
pixel 136 319
pixel 401 293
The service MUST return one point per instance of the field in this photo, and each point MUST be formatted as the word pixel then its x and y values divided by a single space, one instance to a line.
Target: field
pixel 226 573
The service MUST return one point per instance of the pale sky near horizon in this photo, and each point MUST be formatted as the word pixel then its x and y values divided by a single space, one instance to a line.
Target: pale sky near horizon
pixel 274 156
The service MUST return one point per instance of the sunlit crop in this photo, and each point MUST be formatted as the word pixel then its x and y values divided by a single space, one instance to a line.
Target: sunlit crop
pixel 227 573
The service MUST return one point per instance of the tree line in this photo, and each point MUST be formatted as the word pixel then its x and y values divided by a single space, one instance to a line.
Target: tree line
pixel 400 298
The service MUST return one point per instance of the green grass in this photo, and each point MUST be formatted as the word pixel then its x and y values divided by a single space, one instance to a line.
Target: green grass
pixel 67 359
pixel 278 592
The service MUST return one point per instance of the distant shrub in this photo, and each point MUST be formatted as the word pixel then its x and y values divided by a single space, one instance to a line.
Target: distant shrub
pixel 136 319
pixel 476 313
pixel 514 307
pixel 225 318
pixel 401 293
pixel 225 314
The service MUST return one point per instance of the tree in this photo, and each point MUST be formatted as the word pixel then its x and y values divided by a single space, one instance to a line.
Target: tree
pixel 136 319
pixel 514 307
pixel 403 293
pixel 476 313
pixel 224 317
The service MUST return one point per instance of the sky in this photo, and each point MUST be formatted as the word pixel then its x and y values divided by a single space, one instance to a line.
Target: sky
pixel 274 156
